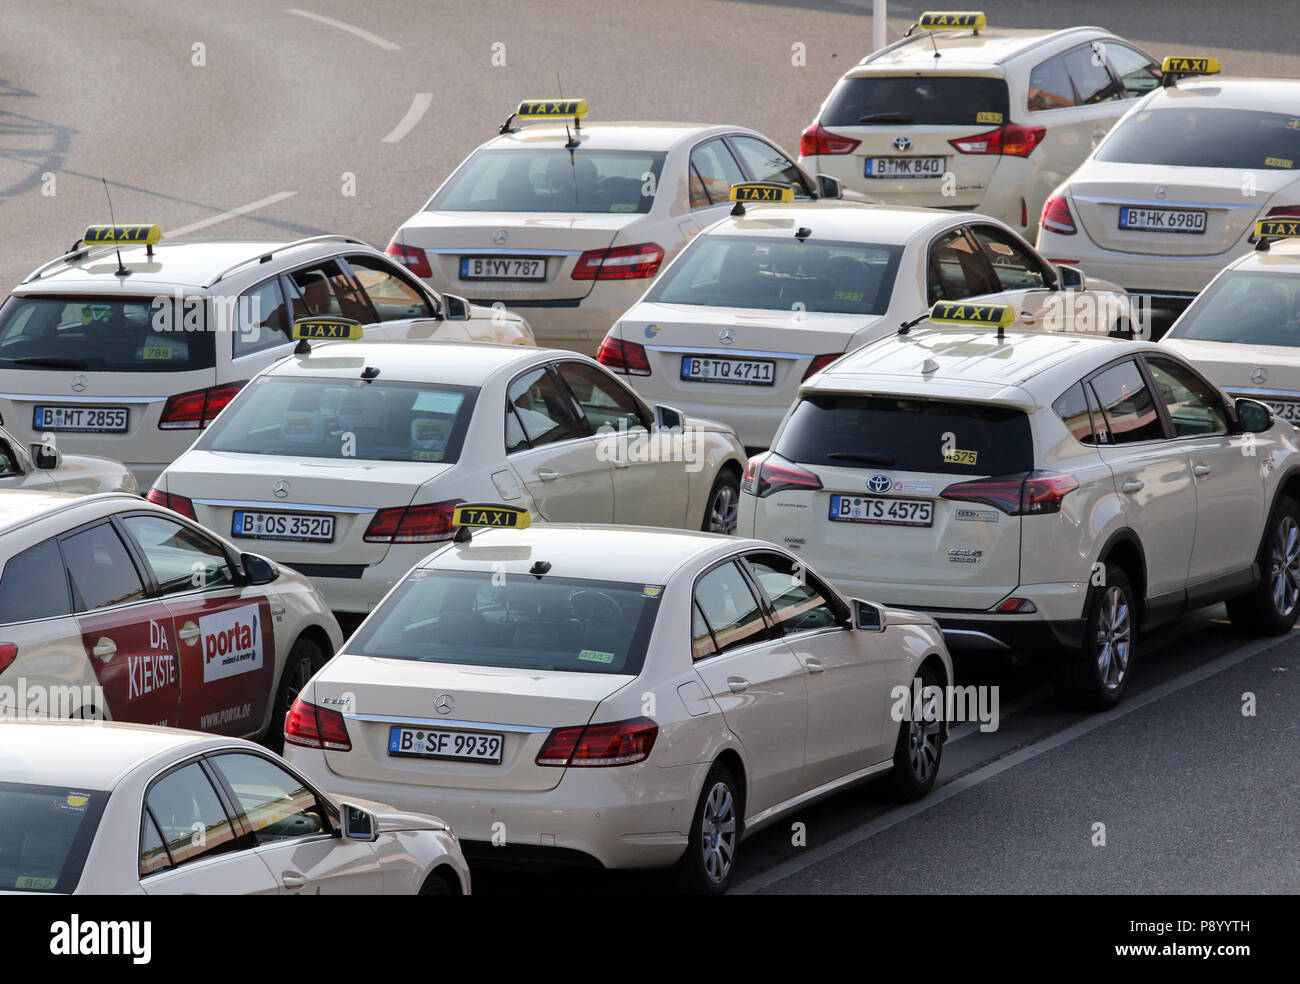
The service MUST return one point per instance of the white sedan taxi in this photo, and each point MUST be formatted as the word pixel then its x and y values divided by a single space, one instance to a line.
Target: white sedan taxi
pixel 347 461
pixel 958 114
pixel 623 696
pixel 568 221
pixel 1172 195
pixel 157 811
pixel 769 296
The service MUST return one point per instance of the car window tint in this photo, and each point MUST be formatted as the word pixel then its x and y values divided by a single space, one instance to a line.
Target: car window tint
pixel 1246 307
pixel 277 804
pixel 181 558
pixel 1137 73
pixel 1087 67
pixel 1127 404
pixel 1201 136
pixel 325 290
pixel 46 831
pixel 1013 265
pixel 550 179
pixel 716 171
pixel 730 608
pixel 393 297
pixel 190 817
pixel 101 569
pixel 604 401
pixel 1049 85
pixel 540 410
pixel 1072 408
pixel 800 605
pixel 956 269
pixel 262 320
pixel 153 852
pixel 920 99
pixel 766 163
pixel 34 585
pixel 1193 407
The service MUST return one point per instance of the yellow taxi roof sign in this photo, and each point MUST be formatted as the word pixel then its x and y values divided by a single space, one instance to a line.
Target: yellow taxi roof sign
pixel 491 515
pixel 762 191
pixel 1183 65
pixel 1267 230
pixel 969 313
pixel 125 234
pixel 933 20
pixel 547 109
pixel 327 329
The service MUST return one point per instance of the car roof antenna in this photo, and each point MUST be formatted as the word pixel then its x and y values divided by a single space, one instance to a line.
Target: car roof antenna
pixel 121 270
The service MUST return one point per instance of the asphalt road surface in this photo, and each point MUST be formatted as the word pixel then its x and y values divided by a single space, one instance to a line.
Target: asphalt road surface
pixel 246 119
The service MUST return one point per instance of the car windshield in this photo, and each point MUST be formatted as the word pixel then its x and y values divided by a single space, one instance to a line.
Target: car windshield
pixel 781 275
pixel 104 334
pixel 1188 137
pixel 45 835
pixel 920 100
pixel 522 622
pixel 552 180
pixel 369 420
pixel 1245 307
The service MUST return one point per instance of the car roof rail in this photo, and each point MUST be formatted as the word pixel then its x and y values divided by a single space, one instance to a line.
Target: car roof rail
pixel 76 253
pixel 265 257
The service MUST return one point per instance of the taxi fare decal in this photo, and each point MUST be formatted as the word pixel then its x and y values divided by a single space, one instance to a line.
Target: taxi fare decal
pixel 956 456
pixel 232 642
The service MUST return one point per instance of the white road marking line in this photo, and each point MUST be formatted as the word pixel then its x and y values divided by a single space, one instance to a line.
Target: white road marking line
pixel 419 106
pixel 363 34
pixel 234 213
pixel 883 822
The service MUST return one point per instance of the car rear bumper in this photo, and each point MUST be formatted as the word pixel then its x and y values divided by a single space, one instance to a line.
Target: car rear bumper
pixel 357 588
pixel 1007 633
pixel 1173 280
pixel 577 324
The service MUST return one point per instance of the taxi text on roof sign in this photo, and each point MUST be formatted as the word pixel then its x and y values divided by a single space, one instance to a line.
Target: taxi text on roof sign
pixel 1175 65
pixel 327 329
pixel 491 515
pixel 762 191
pixel 935 19
pixel 965 313
pixel 1277 228
pixel 541 109
pixel 122 235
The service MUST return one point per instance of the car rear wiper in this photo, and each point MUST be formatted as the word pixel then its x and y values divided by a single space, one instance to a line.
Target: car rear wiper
pixel 885 118
pixel 49 362
pixel 863 456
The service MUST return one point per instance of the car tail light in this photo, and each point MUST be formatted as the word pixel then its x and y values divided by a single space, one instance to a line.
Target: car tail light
pixel 412 257
pixel 1274 212
pixel 1017 606
pixel 627 358
pixel 820 362
pixel 817 140
pixel 1023 494
pixel 176 503
pixel 619 263
pixel 412 524
pixel 1057 218
pixel 599 745
pixel 1009 140
pixel 316 727
pixel 197 408
pixel 8 653
pixel 769 473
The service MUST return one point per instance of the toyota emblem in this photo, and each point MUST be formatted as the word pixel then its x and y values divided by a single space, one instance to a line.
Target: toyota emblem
pixel 879 484
pixel 1161 191
pixel 902 144
pixel 500 236
pixel 1259 375
pixel 281 489
pixel 727 336
pixel 79 383
pixel 445 704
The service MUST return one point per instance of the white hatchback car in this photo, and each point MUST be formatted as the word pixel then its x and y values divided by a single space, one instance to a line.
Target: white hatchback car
pixel 1037 492
pixel 989 120
pixel 623 696
pixel 156 811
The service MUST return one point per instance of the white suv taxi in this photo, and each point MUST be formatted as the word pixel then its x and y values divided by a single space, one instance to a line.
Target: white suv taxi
pixel 1035 491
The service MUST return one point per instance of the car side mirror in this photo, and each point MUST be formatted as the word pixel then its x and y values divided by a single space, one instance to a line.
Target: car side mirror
pixel 828 187
pixel 358 824
pixel 1254 417
pixel 869 615
pixel 44 457
pixel 257 569
pixel 455 307
pixel 668 418
pixel 1071 277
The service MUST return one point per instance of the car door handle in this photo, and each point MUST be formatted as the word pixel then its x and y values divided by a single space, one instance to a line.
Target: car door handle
pixel 813 665
pixel 189 633
pixel 546 475
pixel 737 685
pixel 105 648
pixel 1200 471
pixel 291 879
pixel 1133 486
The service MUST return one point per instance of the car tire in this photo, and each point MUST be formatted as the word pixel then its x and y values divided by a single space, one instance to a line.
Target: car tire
pixel 1096 675
pixel 710 859
pixel 304 659
pixel 437 884
pixel 1272 606
pixel 722 510
pixel 919 748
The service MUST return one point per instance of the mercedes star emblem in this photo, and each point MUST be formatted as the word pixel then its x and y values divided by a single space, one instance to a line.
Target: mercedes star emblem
pixel 79 383
pixel 445 704
pixel 1259 375
pixel 281 489
pixel 1161 191
pixel 727 336
pixel 500 236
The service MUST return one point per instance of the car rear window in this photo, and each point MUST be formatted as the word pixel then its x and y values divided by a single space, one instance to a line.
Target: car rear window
pixel 45 835
pixel 522 622
pixel 552 180
pixel 781 274
pixel 908 435
pixel 101 334
pixel 1206 137
pixel 1245 307
pixel 929 100
pixel 345 418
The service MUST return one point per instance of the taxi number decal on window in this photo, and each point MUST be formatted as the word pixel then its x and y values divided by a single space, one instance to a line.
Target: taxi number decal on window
pixel 1278 162
pixel 426 455
pixel 988 117
pixel 34 884
pixel 595 656
pixel 848 295
pixel 157 352
pixel 956 456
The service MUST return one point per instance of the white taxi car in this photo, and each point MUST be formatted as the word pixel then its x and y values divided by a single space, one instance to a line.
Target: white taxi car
pixel 959 115
pixel 1173 193
pixel 568 221
pixel 43 466
pixel 620 695
pixel 156 811
pixel 1243 330
pixel 347 462
pixel 125 346
pixel 113 607
pixel 1036 492
pixel 763 300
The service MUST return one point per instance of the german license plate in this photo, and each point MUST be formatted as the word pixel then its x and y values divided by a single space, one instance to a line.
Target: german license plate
pixel 886 512
pixel 710 369
pixel 502 268
pixel 458 746
pixel 904 167
pixel 86 420
pixel 1286 410
pixel 1162 219
pixel 283 526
